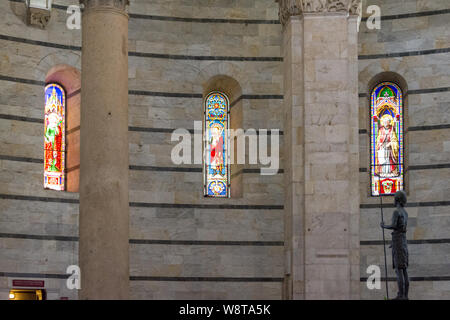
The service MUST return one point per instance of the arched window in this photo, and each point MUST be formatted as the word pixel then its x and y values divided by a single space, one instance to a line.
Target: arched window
pixel 54 137
pixel 216 142
pixel 386 143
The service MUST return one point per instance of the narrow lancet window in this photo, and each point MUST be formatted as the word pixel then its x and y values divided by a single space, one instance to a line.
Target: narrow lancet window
pixel 216 142
pixel 54 137
pixel 386 155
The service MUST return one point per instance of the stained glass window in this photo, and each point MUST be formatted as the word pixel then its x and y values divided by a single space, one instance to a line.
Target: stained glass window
pixel 54 137
pixel 386 143
pixel 216 141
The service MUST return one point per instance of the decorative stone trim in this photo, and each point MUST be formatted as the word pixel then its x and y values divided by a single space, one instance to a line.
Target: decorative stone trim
pixel 118 4
pixel 37 16
pixel 297 7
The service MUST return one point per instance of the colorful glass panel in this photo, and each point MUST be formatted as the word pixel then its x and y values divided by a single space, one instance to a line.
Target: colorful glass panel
pixel 216 171
pixel 54 137
pixel 386 143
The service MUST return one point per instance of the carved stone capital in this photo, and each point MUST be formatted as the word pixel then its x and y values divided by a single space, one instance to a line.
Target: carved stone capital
pixel 116 4
pixel 297 7
pixel 38 17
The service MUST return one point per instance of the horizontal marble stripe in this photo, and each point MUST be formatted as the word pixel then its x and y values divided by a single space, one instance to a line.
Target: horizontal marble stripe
pixel 205 242
pixel 418 241
pixel 157 130
pixel 165 94
pixel 208 242
pixel 411 15
pixel 166 169
pixel 205 206
pixel 20 118
pixel 199 95
pixel 34 198
pixel 143 54
pixel 154 93
pixel 429 90
pixel 22 80
pixel 136 167
pixel 403 54
pixel 206 279
pixel 424 278
pixel 220 58
pixel 149 241
pixel 21 159
pixel 420 167
pixel 192 131
pixel 77 167
pixel 37 237
pixel 40 43
pixel 200 58
pixel 151 205
pixel 34 275
pixel 77 128
pixel 409 204
pixel 429 127
pixel 146 278
pixel 74 93
pixel 429 166
pixel 195 279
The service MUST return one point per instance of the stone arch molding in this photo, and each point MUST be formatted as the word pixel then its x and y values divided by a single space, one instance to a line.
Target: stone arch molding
pixel 223 70
pixel 388 76
pixel 67 58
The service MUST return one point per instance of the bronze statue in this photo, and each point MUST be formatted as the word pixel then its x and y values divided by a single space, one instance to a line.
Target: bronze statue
pixel 399 244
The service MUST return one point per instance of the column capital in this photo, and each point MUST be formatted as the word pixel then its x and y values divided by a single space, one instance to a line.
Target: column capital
pixel 297 7
pixel 116 4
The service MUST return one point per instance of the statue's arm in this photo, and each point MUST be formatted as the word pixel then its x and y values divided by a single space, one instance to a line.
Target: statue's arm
pixel 393 225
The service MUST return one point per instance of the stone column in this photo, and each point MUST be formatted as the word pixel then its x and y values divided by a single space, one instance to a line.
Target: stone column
pixel 322 152
pixel 104 213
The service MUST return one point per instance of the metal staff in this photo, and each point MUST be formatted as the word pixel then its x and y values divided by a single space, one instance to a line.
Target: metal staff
pixel 384 241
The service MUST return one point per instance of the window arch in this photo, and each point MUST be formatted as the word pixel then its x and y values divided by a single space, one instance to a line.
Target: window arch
pixel 216 145
pixel 386 139
pixel 54 137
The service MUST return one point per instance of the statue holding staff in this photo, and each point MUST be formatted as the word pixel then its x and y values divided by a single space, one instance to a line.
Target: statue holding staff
pixel 399 244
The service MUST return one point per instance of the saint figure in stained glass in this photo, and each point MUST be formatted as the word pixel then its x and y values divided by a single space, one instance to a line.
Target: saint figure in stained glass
pixel 386 148
pixel 216 170
pixel 386 139
pixel 54 137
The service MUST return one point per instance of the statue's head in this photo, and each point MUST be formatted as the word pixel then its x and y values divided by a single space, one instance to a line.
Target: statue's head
pixel 400 197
